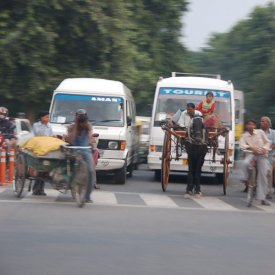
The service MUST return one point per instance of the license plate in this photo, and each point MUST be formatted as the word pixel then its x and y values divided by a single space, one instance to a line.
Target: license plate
pixel 185 162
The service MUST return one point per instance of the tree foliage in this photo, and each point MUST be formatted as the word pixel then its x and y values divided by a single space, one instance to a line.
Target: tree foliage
pixel 246 55
pixel 44 41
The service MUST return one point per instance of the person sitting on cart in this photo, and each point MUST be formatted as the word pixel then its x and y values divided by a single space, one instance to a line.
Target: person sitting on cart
pixel 256 141
pixel 207 106
pixel 41 128
pixel 80 133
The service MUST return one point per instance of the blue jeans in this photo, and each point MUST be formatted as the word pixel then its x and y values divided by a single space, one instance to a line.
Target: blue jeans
pixel 90 163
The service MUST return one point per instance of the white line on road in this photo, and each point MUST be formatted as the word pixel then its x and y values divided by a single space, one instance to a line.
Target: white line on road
pixel 214 204
pixel 104 197
pixel 158 200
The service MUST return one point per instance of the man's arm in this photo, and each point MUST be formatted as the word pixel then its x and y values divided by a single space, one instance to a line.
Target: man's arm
pixel 243 143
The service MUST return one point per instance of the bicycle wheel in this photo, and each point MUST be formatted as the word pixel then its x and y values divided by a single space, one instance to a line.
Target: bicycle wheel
pixel 20 175
pixel 80 182
pixel 165 161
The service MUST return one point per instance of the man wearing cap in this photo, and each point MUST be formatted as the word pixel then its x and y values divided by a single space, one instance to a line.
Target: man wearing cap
pixel 41 128
pixel 80 133
pixel 6 126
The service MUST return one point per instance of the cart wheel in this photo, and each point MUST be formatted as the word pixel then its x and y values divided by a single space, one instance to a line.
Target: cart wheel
pixel 165 161
pixel 81 178
pixel 226 162
pixel 20 174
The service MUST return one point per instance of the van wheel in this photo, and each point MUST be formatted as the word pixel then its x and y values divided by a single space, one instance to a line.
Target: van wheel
pixel 120 174
pixel 130 169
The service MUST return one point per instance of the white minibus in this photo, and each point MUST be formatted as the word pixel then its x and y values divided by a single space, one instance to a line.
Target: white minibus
pixel 111 110
pixel 174 93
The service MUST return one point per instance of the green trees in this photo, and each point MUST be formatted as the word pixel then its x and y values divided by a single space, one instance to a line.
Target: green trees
pixel 246 55
pixel 44 41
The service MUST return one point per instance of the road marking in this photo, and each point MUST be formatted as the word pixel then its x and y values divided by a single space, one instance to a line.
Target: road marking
pixel 52 195
pixel 212 203
pixel 2 190
pixel 104 197
pixel 158 200
pixel 267 208
pixel 107 198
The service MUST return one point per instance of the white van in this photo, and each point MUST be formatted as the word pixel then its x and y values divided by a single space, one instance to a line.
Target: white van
pixel 111 110
pixel 174 93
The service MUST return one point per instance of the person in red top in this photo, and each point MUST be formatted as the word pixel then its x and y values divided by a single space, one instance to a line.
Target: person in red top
pixel 207 107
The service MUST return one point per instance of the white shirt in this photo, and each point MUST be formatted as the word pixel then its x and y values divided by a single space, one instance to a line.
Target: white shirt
pixel 183 118
pixel 40 129
pixel 257 139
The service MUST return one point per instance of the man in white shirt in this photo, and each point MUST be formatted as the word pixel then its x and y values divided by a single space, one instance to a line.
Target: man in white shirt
pixel 183 118
pixel 256 142
pixel 41 128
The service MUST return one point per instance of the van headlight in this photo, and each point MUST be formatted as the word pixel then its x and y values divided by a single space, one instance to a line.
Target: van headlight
pixel 105 144
pixel 113 145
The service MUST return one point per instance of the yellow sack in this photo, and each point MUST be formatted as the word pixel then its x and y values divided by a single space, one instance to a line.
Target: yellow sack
pixel 42 145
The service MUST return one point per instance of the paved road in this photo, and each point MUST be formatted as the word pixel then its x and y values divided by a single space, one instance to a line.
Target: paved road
pixel 137 229
pixel 144 192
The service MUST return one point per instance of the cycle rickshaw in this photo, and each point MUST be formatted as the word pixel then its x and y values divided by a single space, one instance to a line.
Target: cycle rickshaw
pixel 175 138
pixel 64 169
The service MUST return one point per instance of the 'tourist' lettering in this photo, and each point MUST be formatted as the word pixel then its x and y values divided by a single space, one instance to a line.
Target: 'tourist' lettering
pixel 194 92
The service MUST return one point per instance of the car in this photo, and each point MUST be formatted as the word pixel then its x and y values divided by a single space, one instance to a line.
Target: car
pixel 22 130
pixel 143 124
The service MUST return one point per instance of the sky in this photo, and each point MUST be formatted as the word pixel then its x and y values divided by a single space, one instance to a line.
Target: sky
pixel 205 17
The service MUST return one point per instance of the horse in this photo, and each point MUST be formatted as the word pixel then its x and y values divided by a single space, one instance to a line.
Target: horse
pixel 196 148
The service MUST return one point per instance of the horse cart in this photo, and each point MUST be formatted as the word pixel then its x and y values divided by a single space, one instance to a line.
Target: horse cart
pixel 176 139
pixel 64 169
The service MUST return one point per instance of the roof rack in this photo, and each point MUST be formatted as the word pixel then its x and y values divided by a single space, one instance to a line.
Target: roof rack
pixel 175 74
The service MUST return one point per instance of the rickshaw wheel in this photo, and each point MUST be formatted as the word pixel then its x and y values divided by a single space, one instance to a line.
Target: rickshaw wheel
pixel 165 162
pixel 20 175
pixel 226 162
pixel 80 194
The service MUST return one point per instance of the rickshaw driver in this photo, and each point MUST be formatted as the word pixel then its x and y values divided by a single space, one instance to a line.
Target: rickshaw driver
pixel 183 118
pixel 80 133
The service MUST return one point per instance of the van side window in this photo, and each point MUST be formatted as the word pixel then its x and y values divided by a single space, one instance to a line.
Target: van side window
pixel 24 126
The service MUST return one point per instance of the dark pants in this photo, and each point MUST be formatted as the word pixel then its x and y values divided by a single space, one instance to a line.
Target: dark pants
pixel 38 186
pixel 196 154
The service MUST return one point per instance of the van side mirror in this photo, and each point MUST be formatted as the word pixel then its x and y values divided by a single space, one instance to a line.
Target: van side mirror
pixel 129 121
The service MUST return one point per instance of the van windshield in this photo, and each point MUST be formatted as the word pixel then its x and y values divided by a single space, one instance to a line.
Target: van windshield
pixel 101 110
pixel 172 99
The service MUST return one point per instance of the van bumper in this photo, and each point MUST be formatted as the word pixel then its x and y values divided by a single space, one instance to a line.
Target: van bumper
pixel 154 163
pixel 109 164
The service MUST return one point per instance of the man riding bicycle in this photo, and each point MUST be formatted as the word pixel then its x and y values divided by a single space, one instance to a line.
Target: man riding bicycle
pixel 6 126
pixel 256 142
